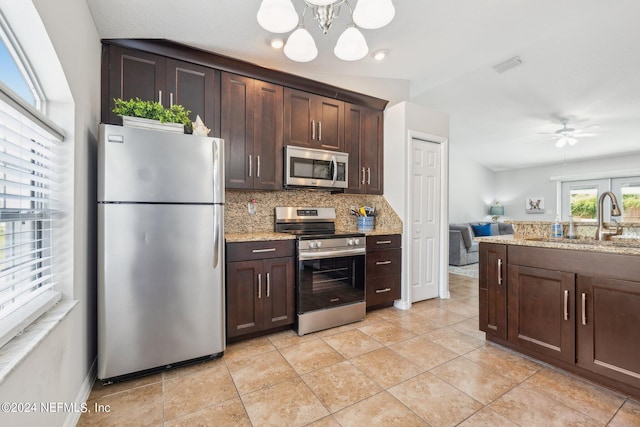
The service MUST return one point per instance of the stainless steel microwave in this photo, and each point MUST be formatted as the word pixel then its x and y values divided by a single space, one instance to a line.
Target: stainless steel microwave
pixel 309 167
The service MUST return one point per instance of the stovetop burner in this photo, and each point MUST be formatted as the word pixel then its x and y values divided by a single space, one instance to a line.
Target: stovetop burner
pixel 310 223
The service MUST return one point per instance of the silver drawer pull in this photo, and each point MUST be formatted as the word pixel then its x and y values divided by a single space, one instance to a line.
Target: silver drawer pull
pixel 383 242
pixel 259 251
pixel 584 309
pixel 259 285
pixel 334 299
pixel 383 262
pixel 566 305
pixel 268 286
pixel 381 291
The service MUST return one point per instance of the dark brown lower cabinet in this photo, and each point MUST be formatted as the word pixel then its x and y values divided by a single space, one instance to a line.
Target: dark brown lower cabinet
pixel 578 310
pixel 541 311
pixel 260 291
pixel 493 289
pixel 609 327
pixel 384 269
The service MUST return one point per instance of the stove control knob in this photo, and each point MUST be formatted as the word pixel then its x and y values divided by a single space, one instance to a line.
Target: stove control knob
pixel 349 242
pixel 312 245
pixel 356 241
pixel 318 244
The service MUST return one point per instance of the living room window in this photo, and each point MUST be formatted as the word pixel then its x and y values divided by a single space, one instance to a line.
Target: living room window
pixel 29 173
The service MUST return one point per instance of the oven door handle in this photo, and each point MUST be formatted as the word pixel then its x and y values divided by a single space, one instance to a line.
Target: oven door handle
pixel 331 254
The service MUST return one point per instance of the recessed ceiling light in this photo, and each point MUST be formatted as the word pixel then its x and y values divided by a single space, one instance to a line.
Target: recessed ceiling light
pixel 276 42
pixel 379 55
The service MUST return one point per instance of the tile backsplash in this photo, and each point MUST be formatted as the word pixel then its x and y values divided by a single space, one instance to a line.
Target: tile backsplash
pixel 238 220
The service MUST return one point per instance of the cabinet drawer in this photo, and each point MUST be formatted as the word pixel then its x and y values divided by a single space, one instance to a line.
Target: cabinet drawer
pixel 383 263
pixel 383 241
pixel 246 251
pixel 381 290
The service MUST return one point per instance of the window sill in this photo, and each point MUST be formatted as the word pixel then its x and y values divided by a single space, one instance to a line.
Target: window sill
pixel 22 345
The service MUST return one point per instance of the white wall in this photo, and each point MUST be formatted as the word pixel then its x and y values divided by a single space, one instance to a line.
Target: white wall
pixel 399 122
pixel 513 187
pixel 471 188
pixel 56 371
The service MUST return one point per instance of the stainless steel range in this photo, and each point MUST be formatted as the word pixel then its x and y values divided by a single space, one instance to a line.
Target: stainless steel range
pixel 330 275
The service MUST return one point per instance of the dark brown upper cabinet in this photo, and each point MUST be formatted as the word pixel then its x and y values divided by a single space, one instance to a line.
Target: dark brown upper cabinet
pixel 150 77
pixel 313 121
pixel 252 114
pixel 363 142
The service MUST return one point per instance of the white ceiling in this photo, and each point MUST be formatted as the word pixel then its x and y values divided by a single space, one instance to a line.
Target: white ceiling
pixel 581 60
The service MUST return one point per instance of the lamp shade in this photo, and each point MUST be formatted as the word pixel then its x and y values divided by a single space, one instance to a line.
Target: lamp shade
pixel 300 46
pixel 373 14
pixel 277 16
pixel 351 45
pixel 496 210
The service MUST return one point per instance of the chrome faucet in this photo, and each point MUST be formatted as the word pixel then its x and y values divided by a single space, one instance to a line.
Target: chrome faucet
pixel 603 232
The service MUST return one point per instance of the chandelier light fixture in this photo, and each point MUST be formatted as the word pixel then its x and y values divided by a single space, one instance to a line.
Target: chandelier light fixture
pixel 280 16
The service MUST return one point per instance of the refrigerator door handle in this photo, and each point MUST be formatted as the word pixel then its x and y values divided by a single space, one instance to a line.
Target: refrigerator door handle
pixel 216 237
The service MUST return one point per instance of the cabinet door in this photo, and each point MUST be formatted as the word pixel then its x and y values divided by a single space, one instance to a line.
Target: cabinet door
pixel 493 289
pixel 245 298
pixel 298 118
pixel 542 311
pixel 384 272
pixel 279 292
pixel 267 134
pixel 329 118
pixel 372 138
pixel 132 74
pixel 354 124
pixel 608 328
pixel 237 130
pixel 363 142
pixel 196 88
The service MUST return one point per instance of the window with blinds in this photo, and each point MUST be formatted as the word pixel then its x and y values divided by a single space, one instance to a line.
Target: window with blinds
pixel 28 171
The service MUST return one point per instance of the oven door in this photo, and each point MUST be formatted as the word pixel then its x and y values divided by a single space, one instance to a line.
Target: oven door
pixel 330 282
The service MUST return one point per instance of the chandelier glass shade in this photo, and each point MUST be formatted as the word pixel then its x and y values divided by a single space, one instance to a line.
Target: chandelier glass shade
pixel 566 140
pixel 280 16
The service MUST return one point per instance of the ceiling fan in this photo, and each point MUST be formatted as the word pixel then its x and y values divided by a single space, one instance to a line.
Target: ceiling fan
pixel 567 135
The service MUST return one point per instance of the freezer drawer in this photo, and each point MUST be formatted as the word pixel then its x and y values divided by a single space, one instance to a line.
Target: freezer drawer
pixel 160 298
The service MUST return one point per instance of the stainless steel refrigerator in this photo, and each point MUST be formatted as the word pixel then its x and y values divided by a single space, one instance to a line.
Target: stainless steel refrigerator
pixel 160 236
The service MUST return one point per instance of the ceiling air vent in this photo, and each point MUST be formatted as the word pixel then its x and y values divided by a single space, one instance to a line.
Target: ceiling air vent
pixel 508 64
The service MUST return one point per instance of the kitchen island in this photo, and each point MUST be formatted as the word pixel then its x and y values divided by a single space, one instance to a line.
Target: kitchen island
pixel 572 303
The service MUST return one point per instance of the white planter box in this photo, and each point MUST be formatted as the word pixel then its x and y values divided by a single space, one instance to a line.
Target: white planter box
pixel 138 122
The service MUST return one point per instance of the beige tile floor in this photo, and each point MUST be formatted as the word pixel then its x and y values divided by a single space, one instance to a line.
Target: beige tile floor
pixel 428 366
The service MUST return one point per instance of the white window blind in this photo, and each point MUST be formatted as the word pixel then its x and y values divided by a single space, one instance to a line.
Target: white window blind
pixel 28 177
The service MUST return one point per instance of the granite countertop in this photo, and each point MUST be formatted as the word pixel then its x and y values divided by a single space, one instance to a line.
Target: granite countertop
pixel 257 236
pixel 589 245
pixel 272 235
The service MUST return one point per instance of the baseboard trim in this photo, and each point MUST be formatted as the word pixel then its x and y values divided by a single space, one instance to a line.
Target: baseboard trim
pixel 83 394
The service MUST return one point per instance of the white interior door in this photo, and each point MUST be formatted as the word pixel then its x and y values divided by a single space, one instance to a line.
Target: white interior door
pixel 424 216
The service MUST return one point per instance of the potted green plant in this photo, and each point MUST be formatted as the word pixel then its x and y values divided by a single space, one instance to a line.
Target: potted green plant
pixel 150 114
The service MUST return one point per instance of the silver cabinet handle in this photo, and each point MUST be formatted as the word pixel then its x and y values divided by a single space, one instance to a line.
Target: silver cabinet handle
pixel 160 97
pixel 170 99
pixel 258 166
pixel 334 299
pixel 499 271
pixel 383 242
pixel 268 285
pixel 584 309
pixel 566 305
pixel 313 129
pixel 383 262
pixel 250 166
pixel 319 131
pixel 259 285
pixel 259 251
pixel 362 176
pixel 381 291
pixel 368 176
